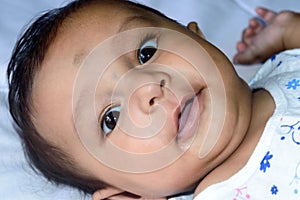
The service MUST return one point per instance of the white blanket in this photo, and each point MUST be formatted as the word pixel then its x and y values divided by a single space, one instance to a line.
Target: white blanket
pixel 221 21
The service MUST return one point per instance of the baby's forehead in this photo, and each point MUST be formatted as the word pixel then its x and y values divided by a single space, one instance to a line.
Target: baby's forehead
pixel 107 12
pixel 113 7
pixel 102 18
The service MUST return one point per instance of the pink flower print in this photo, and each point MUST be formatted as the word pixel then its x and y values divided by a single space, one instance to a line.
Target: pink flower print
pixel 241 194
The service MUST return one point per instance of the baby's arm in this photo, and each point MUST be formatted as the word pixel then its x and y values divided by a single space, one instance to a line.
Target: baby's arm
pixel 259 42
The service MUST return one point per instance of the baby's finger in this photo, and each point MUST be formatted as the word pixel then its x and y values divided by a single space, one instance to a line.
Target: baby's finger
pixel 241 47
pixel 266 14
pixel 256 25
pixel 124 197
pixel 247 56
pixel 106 193
pixel 247 36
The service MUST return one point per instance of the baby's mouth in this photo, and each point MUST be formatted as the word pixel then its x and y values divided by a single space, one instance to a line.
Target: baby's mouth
pixel 183 115
pixel 187 117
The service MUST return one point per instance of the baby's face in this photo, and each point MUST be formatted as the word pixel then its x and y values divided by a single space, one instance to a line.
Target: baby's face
pixel 138 101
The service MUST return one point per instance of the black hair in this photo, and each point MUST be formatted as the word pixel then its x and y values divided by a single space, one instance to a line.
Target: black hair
pixel 26 60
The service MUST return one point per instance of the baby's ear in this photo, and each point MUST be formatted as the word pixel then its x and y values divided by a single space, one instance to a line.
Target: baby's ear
pixel 193 26
pixel 106 193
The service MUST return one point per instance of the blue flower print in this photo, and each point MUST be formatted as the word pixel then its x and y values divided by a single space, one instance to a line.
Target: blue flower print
pixel 293 84
pixel 294 130
pixel 264 164
pixel 279 63
pixel 295 183
pixel 274 190
pixel 273 57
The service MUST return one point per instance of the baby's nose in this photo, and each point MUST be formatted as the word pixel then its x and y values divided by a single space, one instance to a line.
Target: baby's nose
pixel 146 96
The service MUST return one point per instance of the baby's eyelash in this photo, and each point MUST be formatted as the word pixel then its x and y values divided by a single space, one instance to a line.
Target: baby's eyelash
pixel 146 37
pixel 104 110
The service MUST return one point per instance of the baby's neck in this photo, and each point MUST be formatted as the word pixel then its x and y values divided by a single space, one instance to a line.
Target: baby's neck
pixel 263 107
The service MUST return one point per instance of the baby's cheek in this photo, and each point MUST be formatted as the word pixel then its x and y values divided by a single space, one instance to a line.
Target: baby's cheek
pixel 151 138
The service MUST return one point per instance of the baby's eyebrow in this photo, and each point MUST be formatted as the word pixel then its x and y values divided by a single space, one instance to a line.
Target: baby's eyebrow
pixel 133 20
pixel 126 24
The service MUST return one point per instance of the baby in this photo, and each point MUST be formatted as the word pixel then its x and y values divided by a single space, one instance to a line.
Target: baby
pixel 118 100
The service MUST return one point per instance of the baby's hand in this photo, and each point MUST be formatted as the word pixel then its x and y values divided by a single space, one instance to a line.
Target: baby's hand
pixel 116 194
pixel 260 41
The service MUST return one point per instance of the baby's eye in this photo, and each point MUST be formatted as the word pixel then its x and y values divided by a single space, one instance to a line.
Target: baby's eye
pixel 146 51
pixel 109 119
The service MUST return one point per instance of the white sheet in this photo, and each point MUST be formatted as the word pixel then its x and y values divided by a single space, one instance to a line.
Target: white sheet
pixel 221 21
